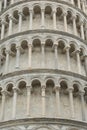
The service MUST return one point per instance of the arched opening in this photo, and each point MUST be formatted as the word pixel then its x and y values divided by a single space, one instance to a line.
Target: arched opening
pixel 37 17
pixel 59 18
pixel 36 53
pixel 77 100
pixel 48 17
pixel 36 99
pixel 70 21
pixel 78 25
pixel 64 99
pixel 7 24
pixel 21 99
pixel 24 51
pixel 50 100
pixel 49 53
pixel 15 21
pixel 25 19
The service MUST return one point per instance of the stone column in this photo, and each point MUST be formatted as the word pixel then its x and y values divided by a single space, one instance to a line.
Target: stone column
pixel 54 19
pixel 20 22
pixel 42 18
pixel 43 54
pixel 29 55
pixel 78 61
pixel 79 6
pixel 74 25
pixel 12 1
pixel 7 60
pixel 82 30
pixel 17 57
pixel 83 6
pixel 68 57
pixel 2 29
pixel 5 4
pixel 28 99
pixel 85 57
pixel 72 2
pixel 31 19
pixel 65 21
pixel 58 107
pixel 0 5
pixel 43 101
pixel 83 105
pixel 3 104
pixel 71 102
pixel 15 90
pixel 56 56
pixel 10 25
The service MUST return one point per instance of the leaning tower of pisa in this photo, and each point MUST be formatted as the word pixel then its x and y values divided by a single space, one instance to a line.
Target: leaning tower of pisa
pixel 43 65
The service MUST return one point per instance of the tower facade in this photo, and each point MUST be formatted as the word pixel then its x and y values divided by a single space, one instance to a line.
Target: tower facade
pixel 43 65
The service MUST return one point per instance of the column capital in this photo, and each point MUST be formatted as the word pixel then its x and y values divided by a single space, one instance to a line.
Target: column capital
pixel 4 92
pixel 43 86
pixel 57 88
pixel 18 47
pixel 16 89
pixel 82 92
pixel 70 89
pixel 30 45
pixel 29 87
pixel 64 13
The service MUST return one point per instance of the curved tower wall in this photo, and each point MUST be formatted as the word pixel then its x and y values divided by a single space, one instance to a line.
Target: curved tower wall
pixel 43 64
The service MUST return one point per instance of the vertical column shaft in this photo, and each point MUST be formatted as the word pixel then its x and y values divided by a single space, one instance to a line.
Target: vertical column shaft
pixel 5 4
pixel 3 105
pixel 54 19
pixel 42 19
pixel 68 58
pixel 2 29
pixel 7 60
pixel 56 56
pixel 78 61
pixel 10 25
pixel 43 55
pixel 72 2
pixel 85 57
pixel 79 5
pixel 29 55
pixel 71 101
pixel 43 102
pixel 82 31
pixel 83 105
pixel 28 99
pixel 31 19
pixel 74 25
pixel 0 5
pixel 65 22
pixel 20 22
pixel 17 56
pixel 57 89
pixel 14 103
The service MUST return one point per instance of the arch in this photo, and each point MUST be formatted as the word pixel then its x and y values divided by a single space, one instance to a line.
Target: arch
pixel 13 47
pixel 49 43
pixel 59 10
pixel 9 87
pixel 25 11
pixel 77 86
pixel 35 81
pixel 37 9
pixel 15 14
pixel 48 9
pixel 24 44
pixel 36 42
